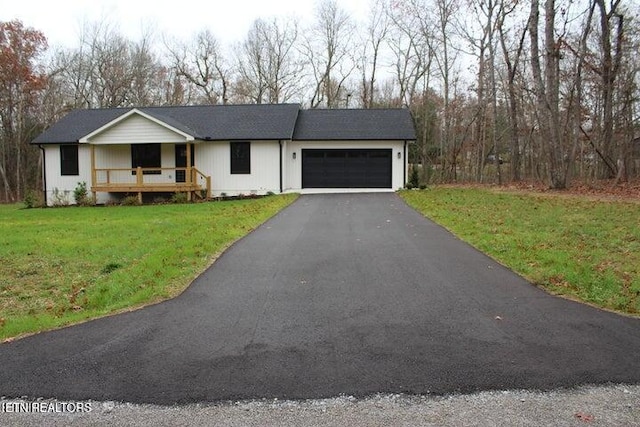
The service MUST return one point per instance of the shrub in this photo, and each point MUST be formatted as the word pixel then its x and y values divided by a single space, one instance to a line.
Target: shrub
pixel 179 197
pixel 80 193
pixel 130 201
pixel 423 186
pixel 159 200
pixel 31 199
pixel 88 201
pixel 414 179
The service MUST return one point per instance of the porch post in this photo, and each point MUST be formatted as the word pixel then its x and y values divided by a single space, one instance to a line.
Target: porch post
pixel 139 183
pixel 190 179
pixel 188 172
pixel 93 171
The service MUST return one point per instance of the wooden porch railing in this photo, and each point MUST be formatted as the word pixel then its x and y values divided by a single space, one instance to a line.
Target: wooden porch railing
pixel 140 180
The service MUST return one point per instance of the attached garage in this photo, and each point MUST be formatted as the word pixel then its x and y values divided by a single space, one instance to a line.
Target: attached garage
pixel 348 149
pixel 346 168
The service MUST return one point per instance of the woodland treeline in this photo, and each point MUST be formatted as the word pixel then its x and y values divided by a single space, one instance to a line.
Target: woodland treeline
pixel 500 90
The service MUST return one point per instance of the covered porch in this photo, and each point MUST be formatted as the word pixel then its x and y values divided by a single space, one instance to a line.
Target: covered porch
pixel 153 170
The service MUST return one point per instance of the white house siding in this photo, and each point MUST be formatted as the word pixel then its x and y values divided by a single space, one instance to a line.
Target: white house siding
pixel 293 167
pixel 136 129
pixel 64 185
pixel 214 159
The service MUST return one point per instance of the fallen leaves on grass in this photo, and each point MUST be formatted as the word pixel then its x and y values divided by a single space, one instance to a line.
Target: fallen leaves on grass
pixel 600 189
pixel 559 281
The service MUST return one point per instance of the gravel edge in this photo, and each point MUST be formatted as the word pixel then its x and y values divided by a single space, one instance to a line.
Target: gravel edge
pixel 612 405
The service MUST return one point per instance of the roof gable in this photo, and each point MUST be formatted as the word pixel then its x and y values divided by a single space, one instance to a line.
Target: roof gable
pixel 136 126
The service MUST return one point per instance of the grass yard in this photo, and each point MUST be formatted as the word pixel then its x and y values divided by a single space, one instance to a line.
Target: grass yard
pixel 60 266
pixel 574 246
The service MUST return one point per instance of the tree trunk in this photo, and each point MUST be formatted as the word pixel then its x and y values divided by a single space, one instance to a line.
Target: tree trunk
pixel 547 92
pixel 609 71
pixel 5 181
pixel 512 69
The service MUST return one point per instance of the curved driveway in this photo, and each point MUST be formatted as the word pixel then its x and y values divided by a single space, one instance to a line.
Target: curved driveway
pixel 338 294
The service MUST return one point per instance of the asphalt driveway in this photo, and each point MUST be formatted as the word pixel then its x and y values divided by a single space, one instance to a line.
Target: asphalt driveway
pixel 338 294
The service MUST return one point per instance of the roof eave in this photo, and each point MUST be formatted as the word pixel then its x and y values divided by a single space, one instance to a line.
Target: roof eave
pixel 337 138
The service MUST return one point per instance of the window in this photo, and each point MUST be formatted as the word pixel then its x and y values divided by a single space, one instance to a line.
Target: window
pixel 146 156
pixel 240 158
pixel 68 160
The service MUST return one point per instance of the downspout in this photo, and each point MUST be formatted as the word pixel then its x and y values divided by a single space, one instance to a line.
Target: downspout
pixel 404 165
pixel 280 143
pixel 44 174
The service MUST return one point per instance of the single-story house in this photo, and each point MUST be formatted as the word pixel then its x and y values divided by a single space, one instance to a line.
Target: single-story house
pixel 213 150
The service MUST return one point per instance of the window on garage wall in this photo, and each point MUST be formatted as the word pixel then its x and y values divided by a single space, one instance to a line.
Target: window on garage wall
pixel 240 157
pixel 68 160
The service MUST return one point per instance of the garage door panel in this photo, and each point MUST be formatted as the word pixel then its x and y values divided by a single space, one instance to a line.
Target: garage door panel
pixel 346 168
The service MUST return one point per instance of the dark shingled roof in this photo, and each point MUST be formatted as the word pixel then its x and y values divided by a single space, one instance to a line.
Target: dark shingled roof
pixel 354 124
pixel 206 122
pixel 247 122
pixel 231 122
pixel 77 124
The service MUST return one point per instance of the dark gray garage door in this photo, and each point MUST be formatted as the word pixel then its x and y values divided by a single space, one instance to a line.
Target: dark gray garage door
pixel 355 168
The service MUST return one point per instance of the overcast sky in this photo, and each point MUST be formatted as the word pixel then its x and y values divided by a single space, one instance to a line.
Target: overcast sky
pixel 229 20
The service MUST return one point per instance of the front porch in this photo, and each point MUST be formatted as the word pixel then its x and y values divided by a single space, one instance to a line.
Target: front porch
pixel 138 180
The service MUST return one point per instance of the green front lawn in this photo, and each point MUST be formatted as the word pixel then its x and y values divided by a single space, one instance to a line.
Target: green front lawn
pixel 572 246
pixel 60 266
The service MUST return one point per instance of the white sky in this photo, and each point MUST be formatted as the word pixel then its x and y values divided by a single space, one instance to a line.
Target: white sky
pixel 229 20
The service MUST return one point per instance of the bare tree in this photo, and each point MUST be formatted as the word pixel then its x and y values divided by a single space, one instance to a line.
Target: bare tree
pixel 480 32
pixel 414 69
pixel 269 69
pixel 412 57
pixel 548 90
pixel 512 58
pixel 327 50
pixel 377 31
pixel 611 26
pixel 148 84
pixel 203 67
pixel 108 70
pixel 445 57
